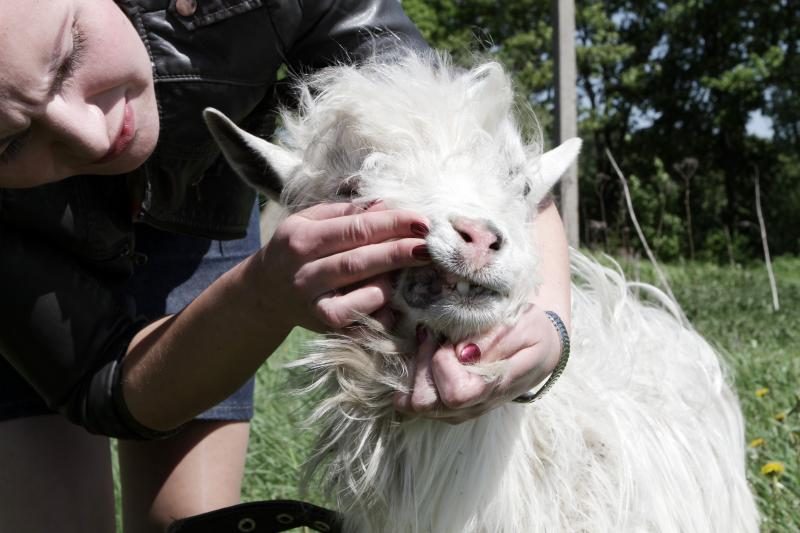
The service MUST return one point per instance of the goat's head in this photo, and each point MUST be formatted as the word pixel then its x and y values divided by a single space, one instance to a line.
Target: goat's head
pixel 419 134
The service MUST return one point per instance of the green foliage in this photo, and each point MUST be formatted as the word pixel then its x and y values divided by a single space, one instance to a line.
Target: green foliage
pixel 667 81
pixel 655 200
pixel 783 198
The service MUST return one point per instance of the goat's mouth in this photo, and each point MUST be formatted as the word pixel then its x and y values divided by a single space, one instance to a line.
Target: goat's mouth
pixel 430 285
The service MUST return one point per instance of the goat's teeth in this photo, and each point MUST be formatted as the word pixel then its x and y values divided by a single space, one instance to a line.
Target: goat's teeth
pixel 463 287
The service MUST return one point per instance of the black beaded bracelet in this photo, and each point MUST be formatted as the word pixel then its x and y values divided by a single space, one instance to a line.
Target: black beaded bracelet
pixel 561 329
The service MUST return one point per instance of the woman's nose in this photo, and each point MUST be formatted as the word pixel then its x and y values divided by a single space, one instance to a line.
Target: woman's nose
pixel 77 129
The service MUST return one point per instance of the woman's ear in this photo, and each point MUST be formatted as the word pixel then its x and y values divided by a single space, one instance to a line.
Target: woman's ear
pixel 265 166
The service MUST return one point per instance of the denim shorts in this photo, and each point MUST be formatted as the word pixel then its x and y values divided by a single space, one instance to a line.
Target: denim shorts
pixel 178 268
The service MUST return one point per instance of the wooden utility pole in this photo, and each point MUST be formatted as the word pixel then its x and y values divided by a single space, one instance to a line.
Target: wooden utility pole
pixel 567 109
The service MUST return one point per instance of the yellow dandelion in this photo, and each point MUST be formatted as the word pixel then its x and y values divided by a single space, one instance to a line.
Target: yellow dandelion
pixel 780 417
pixel 755 443
pixel 773 468
pixel 763 391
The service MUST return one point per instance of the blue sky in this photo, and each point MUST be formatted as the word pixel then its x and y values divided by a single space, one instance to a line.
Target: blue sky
pixel 759 125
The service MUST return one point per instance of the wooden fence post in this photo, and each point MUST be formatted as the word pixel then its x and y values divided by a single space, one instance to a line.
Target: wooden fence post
pixel 567 109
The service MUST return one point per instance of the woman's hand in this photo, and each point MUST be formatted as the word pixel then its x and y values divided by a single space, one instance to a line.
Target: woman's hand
pixel 444 388
pixel 330 262
pixel 322 265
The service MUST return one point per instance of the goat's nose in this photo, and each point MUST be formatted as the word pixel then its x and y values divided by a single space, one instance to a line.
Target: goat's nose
pixel 478 233
pixel 480 239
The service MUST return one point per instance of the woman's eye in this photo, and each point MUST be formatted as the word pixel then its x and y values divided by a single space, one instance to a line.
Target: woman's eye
pixel 65 72
pixel 73 61
pixel 14 148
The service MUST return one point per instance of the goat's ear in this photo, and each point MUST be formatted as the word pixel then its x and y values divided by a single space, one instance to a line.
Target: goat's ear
pixel 262 164
pixel 553 164
pixel 490 94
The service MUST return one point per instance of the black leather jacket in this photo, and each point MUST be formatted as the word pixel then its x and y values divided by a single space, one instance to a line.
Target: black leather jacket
pixel 65 246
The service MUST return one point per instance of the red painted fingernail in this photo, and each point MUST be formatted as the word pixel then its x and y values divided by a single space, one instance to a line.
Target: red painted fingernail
pixel 470 354
pixel 371 204
pixel 421 252
pixel 419 229
pixel 422 334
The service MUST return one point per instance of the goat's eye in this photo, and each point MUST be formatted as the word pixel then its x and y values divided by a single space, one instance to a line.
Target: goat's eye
pixel 347 189
pixel 515 176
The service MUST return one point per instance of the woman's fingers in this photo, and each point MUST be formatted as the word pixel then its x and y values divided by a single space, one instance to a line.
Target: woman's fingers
pixel 323 256
pixel 442 387
pixel 502 341
pixel 326 211
pixel 349 230
pixel 529 350
pixel 340 270
pixel 458 387
pixel 422 396
pixel 385 316
pixel 339 309
pixel 529 367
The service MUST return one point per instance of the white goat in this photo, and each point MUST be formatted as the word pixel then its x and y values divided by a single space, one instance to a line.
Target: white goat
pixel 641 433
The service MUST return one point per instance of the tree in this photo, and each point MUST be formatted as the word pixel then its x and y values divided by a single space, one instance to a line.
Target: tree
pixel 660 83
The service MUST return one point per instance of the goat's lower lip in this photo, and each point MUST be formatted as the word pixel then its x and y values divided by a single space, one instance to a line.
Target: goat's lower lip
pixel 124 137
pixel 425 285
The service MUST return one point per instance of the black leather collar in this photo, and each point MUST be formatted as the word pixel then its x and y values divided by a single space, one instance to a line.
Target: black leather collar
pixel 270 516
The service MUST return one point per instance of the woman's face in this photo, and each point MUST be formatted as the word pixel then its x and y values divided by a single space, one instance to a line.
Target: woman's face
pixel 76 92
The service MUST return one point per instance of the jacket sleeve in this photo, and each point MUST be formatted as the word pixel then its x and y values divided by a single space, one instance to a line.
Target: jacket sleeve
pixel 65 333
pixel 334 30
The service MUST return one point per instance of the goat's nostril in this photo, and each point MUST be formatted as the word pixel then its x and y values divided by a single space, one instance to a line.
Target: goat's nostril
pixel 478 234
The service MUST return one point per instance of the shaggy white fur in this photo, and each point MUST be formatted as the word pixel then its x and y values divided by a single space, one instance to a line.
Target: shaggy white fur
pixel 641 433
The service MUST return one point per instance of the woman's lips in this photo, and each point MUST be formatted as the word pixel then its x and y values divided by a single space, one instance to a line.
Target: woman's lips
pixel 126 134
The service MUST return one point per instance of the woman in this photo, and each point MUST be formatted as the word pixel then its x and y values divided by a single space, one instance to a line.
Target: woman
pixel 131 304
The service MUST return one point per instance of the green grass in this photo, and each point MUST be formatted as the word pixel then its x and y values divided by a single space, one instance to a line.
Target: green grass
pixel 731 306
pixel 278 441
